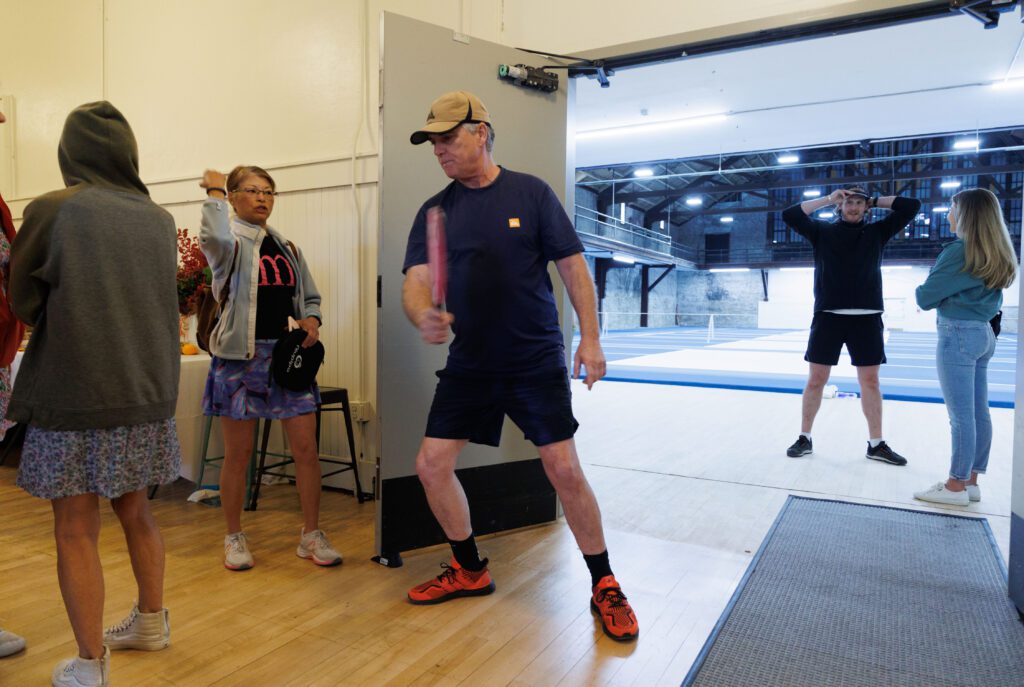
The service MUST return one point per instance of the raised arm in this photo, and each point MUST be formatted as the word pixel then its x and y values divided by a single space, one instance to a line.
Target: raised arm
pixel 215 238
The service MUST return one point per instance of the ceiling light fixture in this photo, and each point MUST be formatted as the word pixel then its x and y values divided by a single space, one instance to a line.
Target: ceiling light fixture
pixel 643 172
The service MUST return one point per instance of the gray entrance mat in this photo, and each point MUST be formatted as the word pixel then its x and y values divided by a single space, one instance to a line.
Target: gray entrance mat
pixel 854 595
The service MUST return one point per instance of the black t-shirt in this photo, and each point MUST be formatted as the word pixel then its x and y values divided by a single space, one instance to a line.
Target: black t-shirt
pixel 500 239
pixel 848 257
pixel 274 292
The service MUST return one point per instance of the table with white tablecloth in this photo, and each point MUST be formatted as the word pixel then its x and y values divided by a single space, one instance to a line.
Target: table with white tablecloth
pixel 188 415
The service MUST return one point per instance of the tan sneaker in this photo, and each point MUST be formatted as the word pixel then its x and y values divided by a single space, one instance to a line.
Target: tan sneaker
pixel 143 631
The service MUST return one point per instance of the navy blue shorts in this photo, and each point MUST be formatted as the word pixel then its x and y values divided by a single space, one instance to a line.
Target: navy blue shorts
pixel 862 334
pixel 474 408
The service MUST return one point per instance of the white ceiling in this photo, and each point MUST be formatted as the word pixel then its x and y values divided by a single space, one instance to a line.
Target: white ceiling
pixel 906 80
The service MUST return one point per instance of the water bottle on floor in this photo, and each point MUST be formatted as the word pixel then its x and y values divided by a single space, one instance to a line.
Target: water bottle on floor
pixel 830 391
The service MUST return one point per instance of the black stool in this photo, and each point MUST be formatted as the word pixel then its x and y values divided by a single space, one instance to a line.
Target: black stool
pixel 329 396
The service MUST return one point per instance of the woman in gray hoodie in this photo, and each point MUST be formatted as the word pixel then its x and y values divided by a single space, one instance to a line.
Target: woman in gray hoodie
pixel 93 271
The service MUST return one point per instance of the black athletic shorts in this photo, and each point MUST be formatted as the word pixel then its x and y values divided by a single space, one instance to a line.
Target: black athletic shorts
pixel 862 335
pixel 474 408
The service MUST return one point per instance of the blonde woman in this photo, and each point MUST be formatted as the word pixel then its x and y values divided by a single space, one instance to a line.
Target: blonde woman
pixel 966 286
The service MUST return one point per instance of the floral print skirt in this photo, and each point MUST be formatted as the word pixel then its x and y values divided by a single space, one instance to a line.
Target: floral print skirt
pixel 107 462
pixel 5 397
pixel 244 390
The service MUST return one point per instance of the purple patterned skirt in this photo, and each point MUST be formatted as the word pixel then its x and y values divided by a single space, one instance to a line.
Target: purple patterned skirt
pixel 108 462
pixel 244 390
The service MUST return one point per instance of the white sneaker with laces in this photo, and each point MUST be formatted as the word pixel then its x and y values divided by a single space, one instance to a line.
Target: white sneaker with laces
pixel 974 492
pixel 83 672
pixel 10 643
pixel 314 545
pixel 937 493
pixel 144 631
pixel 236 552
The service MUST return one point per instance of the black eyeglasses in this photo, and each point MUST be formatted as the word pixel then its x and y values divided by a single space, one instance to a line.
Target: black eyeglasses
pixel 256 192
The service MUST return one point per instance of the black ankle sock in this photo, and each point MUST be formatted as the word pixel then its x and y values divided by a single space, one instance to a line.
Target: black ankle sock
pixel 598 565
pixel 466 554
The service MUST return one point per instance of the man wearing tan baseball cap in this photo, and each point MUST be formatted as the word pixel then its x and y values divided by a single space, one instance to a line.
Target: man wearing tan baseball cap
pixel 449 111
pixel 508 357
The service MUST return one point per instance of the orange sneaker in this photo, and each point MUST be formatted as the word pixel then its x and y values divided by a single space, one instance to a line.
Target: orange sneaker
pixel 617 617
pixel 451 584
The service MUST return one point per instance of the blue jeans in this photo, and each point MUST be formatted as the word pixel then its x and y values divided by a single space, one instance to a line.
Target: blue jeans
pixel 964 349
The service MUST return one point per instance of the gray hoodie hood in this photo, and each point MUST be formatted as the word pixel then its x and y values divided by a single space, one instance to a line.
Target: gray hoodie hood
pixel 98 147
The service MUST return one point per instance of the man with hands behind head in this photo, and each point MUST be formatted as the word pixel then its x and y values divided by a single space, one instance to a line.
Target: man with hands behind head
pixel 848 302
pixel 507 358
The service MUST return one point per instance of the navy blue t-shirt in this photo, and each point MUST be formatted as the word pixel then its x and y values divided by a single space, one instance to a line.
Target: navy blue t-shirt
pixel 500 239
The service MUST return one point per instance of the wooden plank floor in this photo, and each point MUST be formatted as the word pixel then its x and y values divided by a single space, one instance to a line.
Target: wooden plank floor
pixel 689 481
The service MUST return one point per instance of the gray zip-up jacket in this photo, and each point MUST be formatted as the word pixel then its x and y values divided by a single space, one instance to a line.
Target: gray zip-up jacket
pixel 93 271
pixel 234 336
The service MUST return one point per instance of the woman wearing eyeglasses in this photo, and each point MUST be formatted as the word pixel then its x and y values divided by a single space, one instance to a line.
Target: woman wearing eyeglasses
pixel 261 279
pixel 966 285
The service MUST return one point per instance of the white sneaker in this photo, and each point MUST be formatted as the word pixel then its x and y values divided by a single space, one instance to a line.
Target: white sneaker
pixel 937 493
pixel 974 492
pixel 82 672
pixel 314 545
pixel 10 643
pixel 144 631
pixel 236 552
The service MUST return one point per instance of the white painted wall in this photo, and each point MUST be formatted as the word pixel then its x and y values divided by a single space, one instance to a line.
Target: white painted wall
pixel 575 26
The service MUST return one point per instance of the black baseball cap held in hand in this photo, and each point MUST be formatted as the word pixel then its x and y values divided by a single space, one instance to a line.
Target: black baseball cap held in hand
pixel 293 366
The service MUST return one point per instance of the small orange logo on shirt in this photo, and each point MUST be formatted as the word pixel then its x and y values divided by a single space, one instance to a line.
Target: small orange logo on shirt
pixel 513 222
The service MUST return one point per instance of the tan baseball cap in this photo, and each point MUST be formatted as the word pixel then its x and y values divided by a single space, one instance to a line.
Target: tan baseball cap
pixel 450 110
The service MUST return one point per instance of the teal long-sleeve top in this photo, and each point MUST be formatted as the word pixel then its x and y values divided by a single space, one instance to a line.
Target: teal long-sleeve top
pixel 957 294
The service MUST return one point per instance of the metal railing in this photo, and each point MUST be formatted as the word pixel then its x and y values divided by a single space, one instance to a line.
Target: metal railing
pixel 591 223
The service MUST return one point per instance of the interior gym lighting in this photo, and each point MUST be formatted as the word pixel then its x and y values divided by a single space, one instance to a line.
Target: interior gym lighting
pixel 788 159
pixel 643 172
pixel 726 220
pixel 812 193
pixel 652 127
pixel 967 144
pixel 827 214
pixel 950 184
pixel 694 201
pixel 617 257
pixel 940 208
pixel 1008 84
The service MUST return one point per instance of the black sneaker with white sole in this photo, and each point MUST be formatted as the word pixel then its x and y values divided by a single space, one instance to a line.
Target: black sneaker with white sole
pixel 883 453
pixel 802 447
